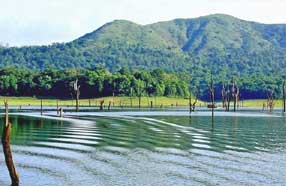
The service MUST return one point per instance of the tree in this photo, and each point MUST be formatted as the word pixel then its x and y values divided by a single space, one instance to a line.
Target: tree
pixel 76 88
pixel 284 96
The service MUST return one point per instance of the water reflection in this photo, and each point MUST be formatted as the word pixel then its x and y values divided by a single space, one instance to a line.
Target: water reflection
pixel 118 151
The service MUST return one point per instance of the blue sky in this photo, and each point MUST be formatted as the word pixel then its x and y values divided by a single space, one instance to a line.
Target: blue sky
pixel 37 22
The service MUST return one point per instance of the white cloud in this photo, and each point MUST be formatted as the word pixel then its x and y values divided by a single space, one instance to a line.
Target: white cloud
pixel 44 21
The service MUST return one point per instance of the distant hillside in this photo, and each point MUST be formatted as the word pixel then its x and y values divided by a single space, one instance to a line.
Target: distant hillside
pixel 218 44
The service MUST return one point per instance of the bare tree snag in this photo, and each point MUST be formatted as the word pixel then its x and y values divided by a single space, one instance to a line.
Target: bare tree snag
pixel 235 95
pixel 76 88
pixel 41 106
pixel 224 97
pixel 284 96
pixel 270 100
pixel 7 150
pixel 109 105
pixel 228 98
pixel 61 112
pixel 212 95
pixel 101 105
pixel 58 107
pixel 193 104
pixel 131 94
pixel 139 101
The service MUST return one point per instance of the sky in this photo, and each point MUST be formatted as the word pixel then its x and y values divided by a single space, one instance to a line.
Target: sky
pixel 42 22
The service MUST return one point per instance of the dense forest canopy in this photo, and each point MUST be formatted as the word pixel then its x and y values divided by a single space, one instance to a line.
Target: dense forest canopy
pixel 93 83
pixel 193 49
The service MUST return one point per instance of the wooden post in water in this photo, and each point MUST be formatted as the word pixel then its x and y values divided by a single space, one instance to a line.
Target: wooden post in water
pixel 284 96
pixel 151 104
pixel 7 150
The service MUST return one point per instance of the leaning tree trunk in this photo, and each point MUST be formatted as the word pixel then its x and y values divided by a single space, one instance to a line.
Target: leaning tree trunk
pixel 7 150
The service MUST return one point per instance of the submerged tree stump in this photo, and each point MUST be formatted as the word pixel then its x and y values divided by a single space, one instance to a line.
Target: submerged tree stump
pixel 7 150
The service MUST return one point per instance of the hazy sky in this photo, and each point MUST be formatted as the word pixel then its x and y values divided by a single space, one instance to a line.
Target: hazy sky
pixel 34 22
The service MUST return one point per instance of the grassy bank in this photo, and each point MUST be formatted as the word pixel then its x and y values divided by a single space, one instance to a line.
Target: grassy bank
pixel 124 101
pixel 260 102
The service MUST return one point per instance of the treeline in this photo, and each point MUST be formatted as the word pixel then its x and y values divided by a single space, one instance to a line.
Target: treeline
pixel 93 83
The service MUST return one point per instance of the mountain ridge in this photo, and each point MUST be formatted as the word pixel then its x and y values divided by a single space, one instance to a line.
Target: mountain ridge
pixel 216 44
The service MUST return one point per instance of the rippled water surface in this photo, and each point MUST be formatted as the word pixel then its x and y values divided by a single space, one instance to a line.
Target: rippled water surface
pixel 157 151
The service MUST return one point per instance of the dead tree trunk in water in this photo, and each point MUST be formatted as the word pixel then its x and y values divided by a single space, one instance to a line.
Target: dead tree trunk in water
pixel 235 95
pixel 284 96
pixel 212 95
pixel 101 105
pixel 190 102
pixel 58 107
pixel 41 106
pixel 270 100
pixel 193 104
pixel 77 93
pixel 131 94
pixel 139 101
pixel 228 98
pixel 224 97
pixel 7 150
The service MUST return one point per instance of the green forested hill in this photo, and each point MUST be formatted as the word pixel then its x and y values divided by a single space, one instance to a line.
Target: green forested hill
pixel 219 44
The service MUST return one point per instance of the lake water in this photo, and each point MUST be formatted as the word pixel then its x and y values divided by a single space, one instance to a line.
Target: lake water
pixel 148 150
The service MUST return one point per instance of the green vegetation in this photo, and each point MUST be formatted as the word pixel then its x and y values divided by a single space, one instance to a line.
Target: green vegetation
pixel 93 83
pixel 123 101
pixel 260 102
pixel 253 53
